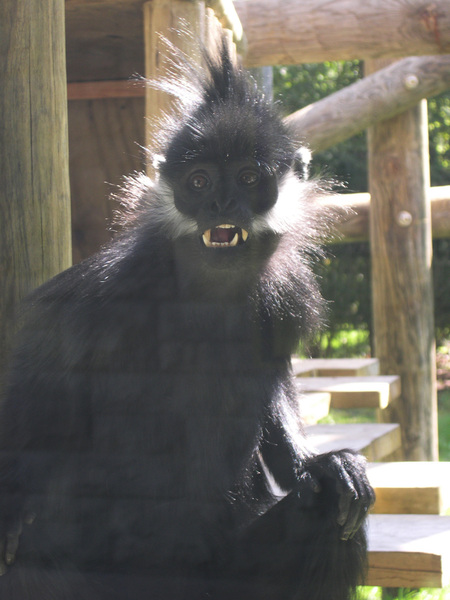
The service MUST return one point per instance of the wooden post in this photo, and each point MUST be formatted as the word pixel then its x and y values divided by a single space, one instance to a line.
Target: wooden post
pixel 167 18
pixel 400 230
pixel 34 177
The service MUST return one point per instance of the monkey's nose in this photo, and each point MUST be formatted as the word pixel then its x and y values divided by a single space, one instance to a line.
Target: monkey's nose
pixel 223 204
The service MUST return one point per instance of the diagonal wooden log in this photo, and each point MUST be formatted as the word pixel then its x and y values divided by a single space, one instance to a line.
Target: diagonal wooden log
pixel 382 95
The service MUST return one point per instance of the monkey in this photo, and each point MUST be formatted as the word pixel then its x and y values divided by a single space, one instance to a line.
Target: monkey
pixel 150 439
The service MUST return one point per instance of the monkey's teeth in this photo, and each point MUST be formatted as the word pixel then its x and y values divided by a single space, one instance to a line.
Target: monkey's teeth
pixel 240 235
pixel 234 241
pixel 207 238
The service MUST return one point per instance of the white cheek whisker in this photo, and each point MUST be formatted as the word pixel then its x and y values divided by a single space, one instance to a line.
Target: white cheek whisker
pixel 289 209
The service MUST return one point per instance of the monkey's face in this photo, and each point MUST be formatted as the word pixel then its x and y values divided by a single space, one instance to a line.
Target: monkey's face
pixel 223 199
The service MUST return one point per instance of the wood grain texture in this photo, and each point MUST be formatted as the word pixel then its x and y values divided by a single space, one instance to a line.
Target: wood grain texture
pixel 400 230
pixel 105 138
pixel 377 97
pixel 167 17
pixel 291 32
pixel 410 487
pixel 105 37
pixel 34 181
pixel 409 551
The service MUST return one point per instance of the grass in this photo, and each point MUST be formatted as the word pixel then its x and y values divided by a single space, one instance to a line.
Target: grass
pixel 376 593
pixel 347 344
pixel 444 424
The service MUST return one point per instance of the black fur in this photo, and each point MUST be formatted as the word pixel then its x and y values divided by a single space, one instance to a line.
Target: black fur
pixel 151 407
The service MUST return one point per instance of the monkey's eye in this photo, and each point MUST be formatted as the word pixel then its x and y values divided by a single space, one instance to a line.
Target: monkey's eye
pixel 249 177
pixel 198 181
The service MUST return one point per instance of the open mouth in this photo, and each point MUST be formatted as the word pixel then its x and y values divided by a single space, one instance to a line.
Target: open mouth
pixel 224 236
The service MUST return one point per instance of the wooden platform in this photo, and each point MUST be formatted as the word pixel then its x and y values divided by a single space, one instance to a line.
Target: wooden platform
pixel 335 367
pixel 376 441
pixel 411 487
pixel 354 392
pixel 410 551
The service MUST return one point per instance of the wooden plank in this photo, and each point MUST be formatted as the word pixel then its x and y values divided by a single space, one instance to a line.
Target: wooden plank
pixel 104 139
pixel 409 551
pixel 335 367
pixel 354 392
pixel 375 440
pixel 314 406
pixel 104 40
pixel 95 90
pixel 410 487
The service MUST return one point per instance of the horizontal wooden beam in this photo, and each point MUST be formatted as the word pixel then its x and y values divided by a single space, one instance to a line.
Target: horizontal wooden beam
pixel 379 96
pixel 354 211
pixel 291 32
pixel 99 90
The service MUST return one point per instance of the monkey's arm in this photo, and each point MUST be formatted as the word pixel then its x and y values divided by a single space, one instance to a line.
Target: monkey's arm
pixel 335 479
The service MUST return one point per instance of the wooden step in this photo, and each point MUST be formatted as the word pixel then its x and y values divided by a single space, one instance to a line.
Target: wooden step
pixel 354 392
pixel 410 487
pixel 375 440
pixel 335 367
pixel 411 551
pixel 314 406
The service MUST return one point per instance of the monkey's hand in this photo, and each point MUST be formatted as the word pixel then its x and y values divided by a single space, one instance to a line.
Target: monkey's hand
pixel 340 477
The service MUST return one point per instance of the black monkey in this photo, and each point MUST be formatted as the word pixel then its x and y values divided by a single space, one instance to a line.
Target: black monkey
pixel 150 442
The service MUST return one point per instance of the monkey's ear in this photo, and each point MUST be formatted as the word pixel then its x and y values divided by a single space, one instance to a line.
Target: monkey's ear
pixel 301 161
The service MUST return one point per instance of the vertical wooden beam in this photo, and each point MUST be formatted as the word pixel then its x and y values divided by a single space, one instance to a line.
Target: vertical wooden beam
pixel 400 230
pixel 34 178
pixel 167 18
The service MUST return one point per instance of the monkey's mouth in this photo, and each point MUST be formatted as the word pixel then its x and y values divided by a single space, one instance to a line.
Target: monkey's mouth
pixel 224 236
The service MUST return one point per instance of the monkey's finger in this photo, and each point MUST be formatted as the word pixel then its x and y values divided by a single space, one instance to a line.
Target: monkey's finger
pixel 347 495
pixel 3 567
pixel 12 544
pixel 353 523
pixel 311 481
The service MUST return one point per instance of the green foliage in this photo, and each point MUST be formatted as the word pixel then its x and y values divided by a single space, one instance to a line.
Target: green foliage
pixel 444 425
pixel 345 273
pixel 301 85
pixel 441 270
pixel 439 127
pixel 376 593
